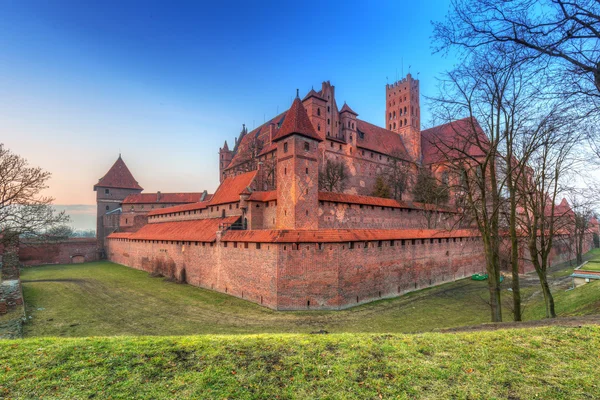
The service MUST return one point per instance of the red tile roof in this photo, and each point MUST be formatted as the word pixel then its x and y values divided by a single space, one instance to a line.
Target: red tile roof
pixel 376 201
pixel 346 108
pixel 262 137
pixel 199 230
pixel 456 139
pixel 297 122
pixel 175 209
pixel 230 189
pixel 342 235
pixel 118 176
pixel 263 196
pixel 375 138
pixel 168 198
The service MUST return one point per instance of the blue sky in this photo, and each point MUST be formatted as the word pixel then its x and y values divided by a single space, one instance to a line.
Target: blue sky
pixel 165 83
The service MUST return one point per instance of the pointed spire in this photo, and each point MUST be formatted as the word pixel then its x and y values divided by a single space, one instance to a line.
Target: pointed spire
pixel 312 93
pixel 297 93
pixel 118 176
pixel 296 122
pixel 347 108
pixel 225 147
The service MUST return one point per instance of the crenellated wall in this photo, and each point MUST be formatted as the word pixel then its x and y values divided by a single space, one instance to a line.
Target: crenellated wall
pixel 306 275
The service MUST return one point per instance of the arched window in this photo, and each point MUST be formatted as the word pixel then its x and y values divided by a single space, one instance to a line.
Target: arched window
pixel 348 124
pixel 404 110
pixel 353 125
pixel 394 125
pixel 390 126
pixel 107 208
pixel 328 121
pixel 401 123
pixel 319 127
pixel 390 115
pixel 318 111
pixel 404 121
pixel 328 109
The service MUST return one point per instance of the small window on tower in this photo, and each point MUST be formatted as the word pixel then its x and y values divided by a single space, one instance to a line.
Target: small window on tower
pixel 328 121
pixel 328 109
pixel 106 191
pixel 319 127
pixel 285 147
pixel 318 111
pixel 306 171
pixel 306 146
pixel 107 208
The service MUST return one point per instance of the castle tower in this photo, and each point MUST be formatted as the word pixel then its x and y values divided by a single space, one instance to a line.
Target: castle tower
pixel 111 190
pixel 225 157
pixel 403 113
pixel 332 117
pixel 297 170
pixel 316 108
pixel 348 122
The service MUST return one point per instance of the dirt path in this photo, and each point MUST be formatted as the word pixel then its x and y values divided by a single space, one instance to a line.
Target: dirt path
pixel 562 321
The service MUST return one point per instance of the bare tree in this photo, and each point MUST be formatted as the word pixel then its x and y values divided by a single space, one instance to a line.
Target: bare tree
pixel 397 174
pixel 333 177
pixel 539 189
pixel 23 208
pixel 474 90
pixel 563 31
pixel 427 189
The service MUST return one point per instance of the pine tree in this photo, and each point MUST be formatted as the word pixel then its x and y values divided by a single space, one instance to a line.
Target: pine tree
pixel 381 188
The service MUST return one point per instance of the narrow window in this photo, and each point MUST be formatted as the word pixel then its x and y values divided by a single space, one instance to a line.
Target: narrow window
pixel 306 171
pixel 106 191
pixel 285 147
pixel 257 246
pixel 306 146
pixel 318 111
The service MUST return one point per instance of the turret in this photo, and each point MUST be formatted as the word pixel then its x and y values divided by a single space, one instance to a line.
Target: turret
pixel 403 113
pixel 111 190
pixel 297 170
pixel 348 122
pixel 225 157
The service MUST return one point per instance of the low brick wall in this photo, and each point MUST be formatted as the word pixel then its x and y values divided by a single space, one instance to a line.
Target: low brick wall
pixel 61 252
pixel 306 275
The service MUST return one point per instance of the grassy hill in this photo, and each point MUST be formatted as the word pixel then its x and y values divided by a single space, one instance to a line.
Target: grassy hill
pixel 105 299
pixel 550 363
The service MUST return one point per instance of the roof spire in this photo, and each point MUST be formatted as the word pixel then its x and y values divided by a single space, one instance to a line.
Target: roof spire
pixel 297 93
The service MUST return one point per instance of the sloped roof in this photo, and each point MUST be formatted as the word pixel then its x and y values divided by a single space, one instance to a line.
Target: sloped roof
pixel 456 139
pixel 346 108
pixel 377 201
pixel 118 176
pixel 263 196
pixel 342 235
pixel 296 122
pixel 199 230
pixel 230 189
pixel 165 198
pixel 175 209
pixel 312 93
pixel 375 138
pixel 261 136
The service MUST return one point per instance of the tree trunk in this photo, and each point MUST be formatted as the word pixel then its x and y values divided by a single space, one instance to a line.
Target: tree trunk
pixel 492 264
pixel 548 298
pixel 514 256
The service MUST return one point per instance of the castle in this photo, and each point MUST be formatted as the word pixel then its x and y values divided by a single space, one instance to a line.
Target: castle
pixel 294 224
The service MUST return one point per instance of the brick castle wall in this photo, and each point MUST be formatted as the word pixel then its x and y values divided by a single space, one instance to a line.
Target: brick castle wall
pixel 305 276
pixel 62 252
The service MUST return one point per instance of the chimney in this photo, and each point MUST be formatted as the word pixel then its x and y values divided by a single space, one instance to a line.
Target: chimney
pixel 158 196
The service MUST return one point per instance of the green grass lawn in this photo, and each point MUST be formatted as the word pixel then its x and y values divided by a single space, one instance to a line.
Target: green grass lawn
pixel 105 299
pixel 591 266
pixel 546 363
